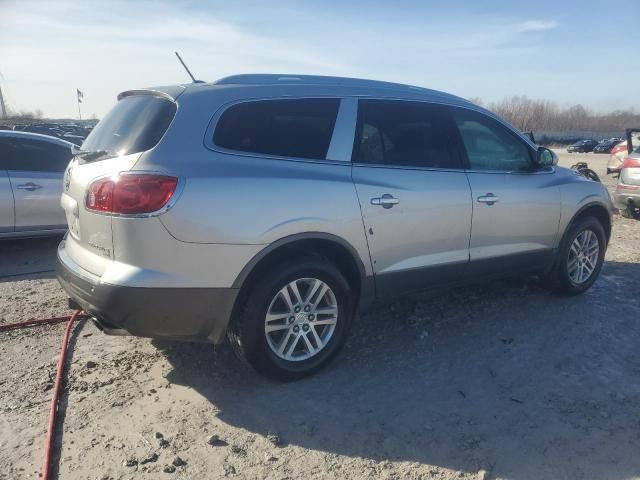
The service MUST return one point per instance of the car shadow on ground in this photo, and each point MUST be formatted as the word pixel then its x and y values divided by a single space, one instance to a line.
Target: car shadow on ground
pixel 505 377
pixel 28 256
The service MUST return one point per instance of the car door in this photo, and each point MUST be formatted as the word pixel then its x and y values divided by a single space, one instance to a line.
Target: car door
pixel 35 170
pixel 516 206
pixel 414 195
pixel 6 195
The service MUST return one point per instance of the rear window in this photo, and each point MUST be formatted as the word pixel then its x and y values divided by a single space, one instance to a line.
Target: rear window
pixel 284 128
pixel 135 124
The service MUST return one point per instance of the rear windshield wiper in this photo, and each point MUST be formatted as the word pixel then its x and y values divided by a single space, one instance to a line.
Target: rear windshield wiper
pixel 89 155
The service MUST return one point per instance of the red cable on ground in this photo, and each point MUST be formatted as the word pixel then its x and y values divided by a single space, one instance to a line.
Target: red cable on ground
pixel 30 323
pixel 53 410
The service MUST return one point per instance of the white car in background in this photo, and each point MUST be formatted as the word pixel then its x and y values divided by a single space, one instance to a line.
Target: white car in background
pixel 31 171
pixel 617 156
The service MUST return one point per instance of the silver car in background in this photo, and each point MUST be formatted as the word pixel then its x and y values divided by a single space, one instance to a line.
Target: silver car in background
pixel 31 170
pixel 627 194
pixel 268 208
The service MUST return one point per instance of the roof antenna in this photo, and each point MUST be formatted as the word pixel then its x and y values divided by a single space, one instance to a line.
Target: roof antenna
pixel 187 69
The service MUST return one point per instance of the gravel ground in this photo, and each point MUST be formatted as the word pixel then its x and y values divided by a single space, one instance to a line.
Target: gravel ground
pixel 499 381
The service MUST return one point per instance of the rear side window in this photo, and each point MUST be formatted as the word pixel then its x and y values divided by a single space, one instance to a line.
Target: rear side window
pixel 300 128
pixel 489 145
pixel 38 156
pixel 135 124
pixel 4 153
pixel 402 133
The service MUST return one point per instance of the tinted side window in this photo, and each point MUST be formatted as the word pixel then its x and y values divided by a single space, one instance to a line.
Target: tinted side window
pixel 393 132
pixel 489 145
pixel 284 128
pixel 4 153
pixel 37 156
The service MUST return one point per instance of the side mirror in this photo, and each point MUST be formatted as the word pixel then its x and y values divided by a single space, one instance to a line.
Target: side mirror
pixel 546 157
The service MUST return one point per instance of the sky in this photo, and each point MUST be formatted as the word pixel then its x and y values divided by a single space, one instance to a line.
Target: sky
pixel 567 51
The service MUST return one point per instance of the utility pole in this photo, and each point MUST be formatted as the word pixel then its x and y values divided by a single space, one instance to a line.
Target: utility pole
pixel 3 108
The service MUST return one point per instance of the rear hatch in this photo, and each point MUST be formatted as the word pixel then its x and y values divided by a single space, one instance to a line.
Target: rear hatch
pixel 134 125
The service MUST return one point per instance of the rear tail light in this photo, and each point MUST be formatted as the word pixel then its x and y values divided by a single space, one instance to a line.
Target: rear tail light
pixel 619 148
pixel 630 163
pixel 130 194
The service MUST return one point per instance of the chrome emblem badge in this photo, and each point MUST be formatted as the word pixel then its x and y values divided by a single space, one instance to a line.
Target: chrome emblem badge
pixel 67 179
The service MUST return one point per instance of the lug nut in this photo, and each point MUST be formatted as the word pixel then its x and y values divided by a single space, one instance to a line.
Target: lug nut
pixel 311 317
pixel 291 319
pixel 305 327
pixel 297 309
pixel 307 308
pixel 296 329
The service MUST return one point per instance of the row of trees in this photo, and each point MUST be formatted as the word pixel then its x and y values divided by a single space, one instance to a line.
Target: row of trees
pixel 23 114
pixel 528 114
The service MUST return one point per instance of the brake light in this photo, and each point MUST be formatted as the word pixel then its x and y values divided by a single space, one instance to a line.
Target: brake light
pixel 130 194
pixel 619 148
pixel 630 163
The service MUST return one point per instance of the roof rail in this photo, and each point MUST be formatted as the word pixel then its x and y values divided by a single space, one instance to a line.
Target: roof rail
pixel 282 79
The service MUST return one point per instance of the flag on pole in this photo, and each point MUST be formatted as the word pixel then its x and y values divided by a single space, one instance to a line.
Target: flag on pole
pixel 80 95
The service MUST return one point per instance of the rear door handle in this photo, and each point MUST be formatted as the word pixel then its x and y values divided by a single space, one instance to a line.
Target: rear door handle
pixel 29 186
pixel 489 199
pixel 385 201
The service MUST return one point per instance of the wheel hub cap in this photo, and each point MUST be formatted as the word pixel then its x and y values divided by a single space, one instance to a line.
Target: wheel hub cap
pixel 301 319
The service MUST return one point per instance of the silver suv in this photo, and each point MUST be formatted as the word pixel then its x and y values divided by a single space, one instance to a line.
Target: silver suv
pixel 269 208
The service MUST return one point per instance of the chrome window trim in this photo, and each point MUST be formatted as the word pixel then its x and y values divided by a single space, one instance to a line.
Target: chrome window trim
pixel 208 138
pixel 409 167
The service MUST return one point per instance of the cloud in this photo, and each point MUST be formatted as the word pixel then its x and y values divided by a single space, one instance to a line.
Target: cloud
pixel 538 25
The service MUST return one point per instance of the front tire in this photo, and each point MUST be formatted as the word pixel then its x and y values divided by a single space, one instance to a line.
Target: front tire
pixel 580 257
pixel 295 318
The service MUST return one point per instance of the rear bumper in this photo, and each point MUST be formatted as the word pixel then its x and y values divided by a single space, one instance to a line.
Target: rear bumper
pixel 193 314
pixel 624 198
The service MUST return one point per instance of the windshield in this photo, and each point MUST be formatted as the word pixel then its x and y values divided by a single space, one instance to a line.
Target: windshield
pixel 135 124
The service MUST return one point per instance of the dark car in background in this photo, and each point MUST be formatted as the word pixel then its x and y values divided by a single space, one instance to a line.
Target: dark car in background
pixel 583 146
pixel 605 146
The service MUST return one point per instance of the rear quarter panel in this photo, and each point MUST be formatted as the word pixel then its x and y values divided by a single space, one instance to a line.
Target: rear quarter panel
pixel 248 200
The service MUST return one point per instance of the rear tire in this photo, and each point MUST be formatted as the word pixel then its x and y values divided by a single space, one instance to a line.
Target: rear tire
pixel 630 212
pixel 578 263
pixel 287 335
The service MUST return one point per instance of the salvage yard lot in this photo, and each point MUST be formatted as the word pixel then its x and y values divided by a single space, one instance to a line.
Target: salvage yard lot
pixel 504 380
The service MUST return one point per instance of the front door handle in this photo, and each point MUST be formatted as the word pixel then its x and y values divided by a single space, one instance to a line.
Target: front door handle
pixel 30 186
pixel 489 199
pixel 385 201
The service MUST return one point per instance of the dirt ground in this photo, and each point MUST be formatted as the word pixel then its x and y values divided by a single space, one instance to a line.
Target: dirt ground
pixel 498 381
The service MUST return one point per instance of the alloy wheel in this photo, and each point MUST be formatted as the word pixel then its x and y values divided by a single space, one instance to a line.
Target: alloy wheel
pixel 301 319
pixel 583 256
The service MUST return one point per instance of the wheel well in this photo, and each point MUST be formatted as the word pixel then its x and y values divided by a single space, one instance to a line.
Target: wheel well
pixel 332 250
pixel 600 213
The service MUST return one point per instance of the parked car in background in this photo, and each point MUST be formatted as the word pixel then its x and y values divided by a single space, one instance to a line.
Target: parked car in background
pixel 620 151
pixel 627 194
pixel 31 170
pixel 73 138
pixel 269 207
pixel 605 146
pixel 583 146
